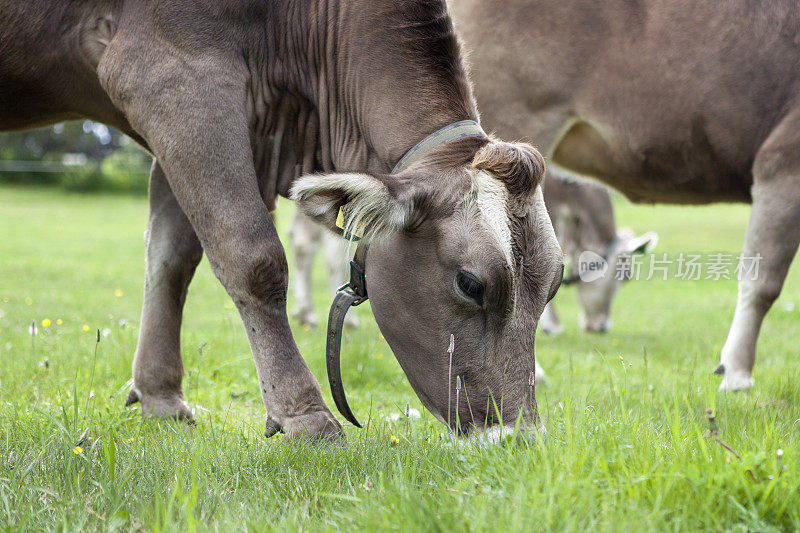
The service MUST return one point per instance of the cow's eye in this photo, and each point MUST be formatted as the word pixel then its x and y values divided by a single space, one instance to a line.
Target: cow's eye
pixel 470 286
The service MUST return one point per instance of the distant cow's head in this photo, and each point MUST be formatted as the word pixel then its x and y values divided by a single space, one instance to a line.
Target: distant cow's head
pixel 596 290
pixel 460 244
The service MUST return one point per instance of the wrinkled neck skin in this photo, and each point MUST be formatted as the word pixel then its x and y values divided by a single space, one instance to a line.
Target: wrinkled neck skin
pixel 355 82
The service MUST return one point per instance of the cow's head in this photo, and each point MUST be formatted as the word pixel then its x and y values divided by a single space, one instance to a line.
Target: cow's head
pixel 461 244
pixel 596 290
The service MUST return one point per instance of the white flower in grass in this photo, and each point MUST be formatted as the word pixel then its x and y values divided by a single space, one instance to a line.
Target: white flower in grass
pixel 393 417
pixel 410 412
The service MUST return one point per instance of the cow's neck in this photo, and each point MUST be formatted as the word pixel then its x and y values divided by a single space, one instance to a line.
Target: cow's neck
pixel 382 76
pixel 410 83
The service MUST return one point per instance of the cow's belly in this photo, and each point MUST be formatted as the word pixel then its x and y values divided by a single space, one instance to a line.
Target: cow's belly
pixel 656 168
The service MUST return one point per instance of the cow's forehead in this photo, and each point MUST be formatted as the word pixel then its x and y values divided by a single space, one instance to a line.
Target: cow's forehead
pixel 488 200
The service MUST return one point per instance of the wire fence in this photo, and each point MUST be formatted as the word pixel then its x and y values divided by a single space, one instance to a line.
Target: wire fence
pixel 55 167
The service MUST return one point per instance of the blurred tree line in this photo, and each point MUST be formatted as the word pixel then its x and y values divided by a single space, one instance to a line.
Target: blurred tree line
pixel 82 156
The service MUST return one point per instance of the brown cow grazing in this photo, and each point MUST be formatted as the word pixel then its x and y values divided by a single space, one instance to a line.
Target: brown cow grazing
pixel 583 218
pixel 680 101
pixel 237 99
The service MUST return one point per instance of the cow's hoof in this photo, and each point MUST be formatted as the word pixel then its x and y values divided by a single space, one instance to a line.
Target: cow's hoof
pixel 273 427
pixel 317 425
pixel 307 319
pixel 733 381
pixel 172 406
pixel 133 397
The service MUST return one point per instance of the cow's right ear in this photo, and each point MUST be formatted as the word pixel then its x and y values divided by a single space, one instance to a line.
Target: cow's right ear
pixel 367 204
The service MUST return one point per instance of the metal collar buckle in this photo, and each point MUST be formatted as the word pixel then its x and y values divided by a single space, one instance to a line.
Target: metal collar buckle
pixel 358 282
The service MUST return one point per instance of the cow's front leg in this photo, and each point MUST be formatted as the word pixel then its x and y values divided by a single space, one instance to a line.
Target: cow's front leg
pixel 173 252
pixel 193 112
pixel 772 239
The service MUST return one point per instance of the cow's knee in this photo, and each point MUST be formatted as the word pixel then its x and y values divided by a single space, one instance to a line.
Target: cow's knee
pixel 256 274
pixel 182 256
pixel 761 293
pixel 766 295
pixel 268 278
pixel 172 259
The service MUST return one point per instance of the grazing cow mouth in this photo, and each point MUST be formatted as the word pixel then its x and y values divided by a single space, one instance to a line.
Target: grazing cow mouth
pixel 500 434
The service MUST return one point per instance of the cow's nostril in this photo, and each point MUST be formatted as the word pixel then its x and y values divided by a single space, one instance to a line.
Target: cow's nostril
pixel 597 327
pixel 502 435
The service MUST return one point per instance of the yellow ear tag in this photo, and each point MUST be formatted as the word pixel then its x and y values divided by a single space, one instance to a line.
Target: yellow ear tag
pixel 357 234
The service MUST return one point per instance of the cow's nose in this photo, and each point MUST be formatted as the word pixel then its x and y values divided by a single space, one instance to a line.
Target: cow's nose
pixel 598 325
pixel 498 434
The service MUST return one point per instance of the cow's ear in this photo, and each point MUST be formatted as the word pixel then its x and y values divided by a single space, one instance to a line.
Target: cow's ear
pixel 643 244
pixel 363 204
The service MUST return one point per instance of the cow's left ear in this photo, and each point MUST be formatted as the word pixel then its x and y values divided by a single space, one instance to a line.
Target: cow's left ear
pixel 643 244
pixel 368 205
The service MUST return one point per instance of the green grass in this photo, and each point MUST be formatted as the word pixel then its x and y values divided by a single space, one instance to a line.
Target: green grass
pixel 626 447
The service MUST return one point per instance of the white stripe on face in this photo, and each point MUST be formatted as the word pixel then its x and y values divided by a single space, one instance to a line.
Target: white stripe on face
pixel 492 197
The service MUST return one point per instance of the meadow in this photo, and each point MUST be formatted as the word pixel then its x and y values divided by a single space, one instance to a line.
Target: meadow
pixel 628 447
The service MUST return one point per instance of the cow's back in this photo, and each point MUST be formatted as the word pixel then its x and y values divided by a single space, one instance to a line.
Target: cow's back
pixel 664 99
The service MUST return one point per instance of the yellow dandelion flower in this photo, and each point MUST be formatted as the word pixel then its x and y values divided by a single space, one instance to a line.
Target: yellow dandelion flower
pixel 77 450
pixel 46 323
pixel 118 293
pixel 229 305
pixel 621 359
pixel 306 327
pixel 393 441
pixel 5 300
pixel 29 301
pixel 86 327
pixel 59 322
